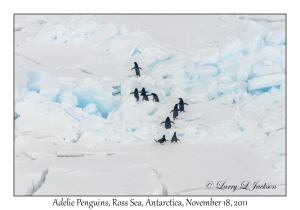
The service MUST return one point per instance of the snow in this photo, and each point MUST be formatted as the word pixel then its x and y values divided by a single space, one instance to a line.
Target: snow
pixel 79 131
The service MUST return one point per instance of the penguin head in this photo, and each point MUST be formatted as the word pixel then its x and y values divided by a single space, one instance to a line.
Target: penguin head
pixel 168 118
pixel 135 64
pixel 163 136
pixel 143 89
pixel 135 89
pixel 175 133
pixel 180 99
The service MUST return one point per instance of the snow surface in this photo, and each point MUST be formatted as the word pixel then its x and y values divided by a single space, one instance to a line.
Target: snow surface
pixel 78 131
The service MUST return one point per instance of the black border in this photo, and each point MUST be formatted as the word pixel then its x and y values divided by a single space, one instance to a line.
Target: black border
pixel 158 196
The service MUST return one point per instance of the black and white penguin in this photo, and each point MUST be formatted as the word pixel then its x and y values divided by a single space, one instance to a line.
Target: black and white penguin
pixel 162 140
pixel 175 111
pixel 167 123
pixel 143 91
pixel 181 105
pixel 155 97
pixel 174 138
pixel 137 69
pixel 145 96
pixel 136 94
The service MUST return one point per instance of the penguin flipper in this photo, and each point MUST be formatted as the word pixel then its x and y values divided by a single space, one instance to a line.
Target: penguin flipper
pixel 163 122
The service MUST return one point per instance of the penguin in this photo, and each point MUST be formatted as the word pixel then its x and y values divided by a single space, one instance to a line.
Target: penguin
pixel 162 140
pixel 137 69
pixel 181 105
pixel 174 138
pixel 145 96
pixel 143 91
pixel 136 94
pixel 155 97
pixel 175 111
pixel 167 123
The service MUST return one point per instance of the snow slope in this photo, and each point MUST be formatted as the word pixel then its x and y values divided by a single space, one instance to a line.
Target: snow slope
pixel 78 131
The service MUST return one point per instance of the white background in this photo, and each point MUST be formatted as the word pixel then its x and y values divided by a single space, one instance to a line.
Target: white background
pixel 8 201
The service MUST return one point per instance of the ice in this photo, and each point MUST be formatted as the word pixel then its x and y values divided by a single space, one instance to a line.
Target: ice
pixel 123 48
pixel 36 78
pixel 107 32
pixel 124 30
pixel 90 108
pixel 273 54
pixel 276 38
pixel 266 81
pixel 208 60
pixel 74 115
pixel 67 98
pixel 47 117
pixel 262 101
pixel 228 87
pixel 73 30
pixel 90 91
pixel 210 85
pixel 262 70
pixel 199 71
pixel 50 90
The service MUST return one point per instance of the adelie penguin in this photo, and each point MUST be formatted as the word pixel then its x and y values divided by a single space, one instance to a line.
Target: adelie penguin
pixel 145 96
pixel 143 91
pixel 174 138
pixel 137 69
pixel 167 123
pixel 175 111
pixel 155 97
pixel 162 140
pixel 136 94
pixel 181 105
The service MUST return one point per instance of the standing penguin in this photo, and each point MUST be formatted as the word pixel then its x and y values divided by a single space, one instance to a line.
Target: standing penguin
pixel 155 97
pixel 175 111
pixel 167 123
pixel 174 138
pixel 162 140
pixel 137 69
pixel 145 96
pixel 136 94
pixel 143 91
pixel 181 105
